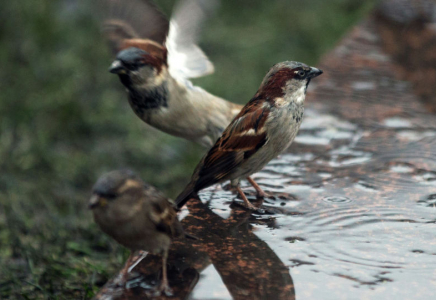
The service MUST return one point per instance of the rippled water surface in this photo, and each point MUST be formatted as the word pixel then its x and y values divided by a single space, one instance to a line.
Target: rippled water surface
pixel 347 221
pixel 352 215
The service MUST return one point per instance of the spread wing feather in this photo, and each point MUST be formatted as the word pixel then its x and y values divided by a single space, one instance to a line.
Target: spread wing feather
pixel 185 58
pixel 131 19
pixel 139 23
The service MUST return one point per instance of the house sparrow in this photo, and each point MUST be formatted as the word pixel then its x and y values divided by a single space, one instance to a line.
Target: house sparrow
pixel 265 127
pixel 137 216
pixel 154 61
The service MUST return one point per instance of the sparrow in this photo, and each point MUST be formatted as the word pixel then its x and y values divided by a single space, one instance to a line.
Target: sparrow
pixel 264 128
pixel 137 216
pixel 154 61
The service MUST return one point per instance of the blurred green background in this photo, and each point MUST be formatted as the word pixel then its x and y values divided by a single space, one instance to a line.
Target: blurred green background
pixel 64 120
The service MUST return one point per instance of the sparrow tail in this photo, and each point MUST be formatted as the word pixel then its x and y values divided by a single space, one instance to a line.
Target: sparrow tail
pixel 187 194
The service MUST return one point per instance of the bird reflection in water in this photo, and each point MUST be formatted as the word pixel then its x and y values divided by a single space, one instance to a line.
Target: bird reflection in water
pixel 248 267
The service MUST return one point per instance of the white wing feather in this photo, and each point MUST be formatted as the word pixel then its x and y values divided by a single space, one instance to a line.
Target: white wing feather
pixel 185 58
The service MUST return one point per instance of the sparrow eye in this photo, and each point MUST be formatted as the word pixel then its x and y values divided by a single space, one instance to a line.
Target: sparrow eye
pixel 108 196
pixel 301 73
pixel 133 66
pixel 139 62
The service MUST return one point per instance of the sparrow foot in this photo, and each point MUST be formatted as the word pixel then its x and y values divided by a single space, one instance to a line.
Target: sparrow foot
pixel 260 193
pixel 264 194
pixel 248 204
pixel 162 288
pixel 250 207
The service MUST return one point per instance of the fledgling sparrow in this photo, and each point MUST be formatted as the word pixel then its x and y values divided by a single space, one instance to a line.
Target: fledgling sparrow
pixel 154 61
pixel 137 216
pixel 265 127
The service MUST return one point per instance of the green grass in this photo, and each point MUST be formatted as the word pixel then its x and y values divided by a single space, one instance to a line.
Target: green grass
pixel 64 120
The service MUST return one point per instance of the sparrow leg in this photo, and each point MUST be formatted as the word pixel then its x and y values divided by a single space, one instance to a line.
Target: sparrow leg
pixel 164 287
pixel 247 203
pixel 260 193
pixel 142 254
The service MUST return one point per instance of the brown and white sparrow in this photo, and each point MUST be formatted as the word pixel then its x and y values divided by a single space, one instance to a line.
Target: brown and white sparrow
pixel 137 216
pixel 265 127
pixel 155 58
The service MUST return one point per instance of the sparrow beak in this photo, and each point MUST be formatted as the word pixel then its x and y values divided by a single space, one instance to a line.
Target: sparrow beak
pixel 96 201
pixel 117 68
pixel 314 72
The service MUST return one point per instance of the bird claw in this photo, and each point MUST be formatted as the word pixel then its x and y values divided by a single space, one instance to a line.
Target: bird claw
pixel 163 288
pixel 263 195
pixel 168 291
pixel 250 207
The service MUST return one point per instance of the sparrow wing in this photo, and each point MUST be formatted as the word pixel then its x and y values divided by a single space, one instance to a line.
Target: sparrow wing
pixel 242 138
pixel 185 58
pixel 163 215
pixel 137 20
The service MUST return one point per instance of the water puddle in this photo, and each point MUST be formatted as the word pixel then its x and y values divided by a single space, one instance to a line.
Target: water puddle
pixel 352 215
pixel 341 238
pixel 210 286
pixel 347 219
pixel 376 250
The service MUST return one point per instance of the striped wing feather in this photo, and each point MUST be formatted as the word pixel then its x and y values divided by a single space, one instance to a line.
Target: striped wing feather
pixel 241 139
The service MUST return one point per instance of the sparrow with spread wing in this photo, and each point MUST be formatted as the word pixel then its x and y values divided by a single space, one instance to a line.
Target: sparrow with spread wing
pixel 154 61
pixel 137 216
pixel 265 127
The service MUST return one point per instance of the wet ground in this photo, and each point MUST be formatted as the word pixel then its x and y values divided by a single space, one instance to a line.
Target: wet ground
pixel 353 207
